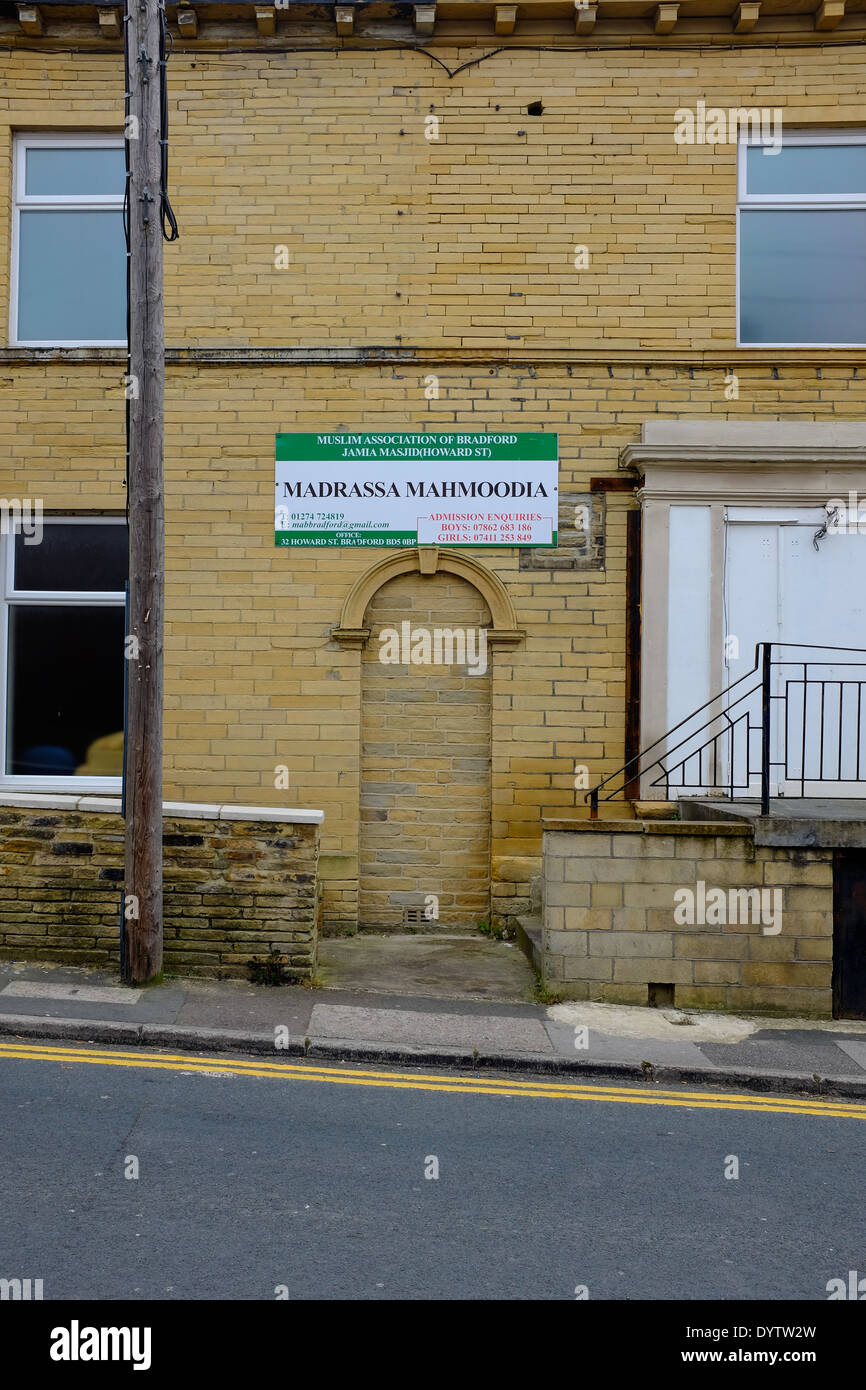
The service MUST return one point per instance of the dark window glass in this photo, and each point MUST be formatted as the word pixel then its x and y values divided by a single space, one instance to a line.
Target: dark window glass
pixel 64 691
pixel 73 558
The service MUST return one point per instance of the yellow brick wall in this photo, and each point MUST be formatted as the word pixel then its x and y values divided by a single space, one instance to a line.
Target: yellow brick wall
pixel 305 150
pixel 460 240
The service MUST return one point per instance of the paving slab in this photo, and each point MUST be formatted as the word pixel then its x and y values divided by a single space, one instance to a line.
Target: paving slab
pixel 437 965
pixel 664 1025
pixel 406 1026
pixel 855 1050
pixel 86 994
pixel 236 1005
pixel 70 992
pixel 813 1054
pixel 611 1047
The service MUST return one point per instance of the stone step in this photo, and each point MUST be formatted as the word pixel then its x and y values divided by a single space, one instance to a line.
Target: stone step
pixel 528 937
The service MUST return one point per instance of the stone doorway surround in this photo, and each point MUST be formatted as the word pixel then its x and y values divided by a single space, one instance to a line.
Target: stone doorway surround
pixel 428 560
pixel 693 470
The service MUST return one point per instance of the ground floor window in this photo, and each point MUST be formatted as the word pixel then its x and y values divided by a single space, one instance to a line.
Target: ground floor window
pixel 63 653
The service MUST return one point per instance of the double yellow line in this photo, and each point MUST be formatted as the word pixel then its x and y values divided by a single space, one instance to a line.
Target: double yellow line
pixel 420 1081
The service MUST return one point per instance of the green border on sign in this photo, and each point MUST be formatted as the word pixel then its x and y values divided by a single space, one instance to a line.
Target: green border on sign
pixel 307 448
pixel 355 539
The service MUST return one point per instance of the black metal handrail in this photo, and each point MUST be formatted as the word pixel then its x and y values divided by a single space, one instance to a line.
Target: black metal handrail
pixel 720 749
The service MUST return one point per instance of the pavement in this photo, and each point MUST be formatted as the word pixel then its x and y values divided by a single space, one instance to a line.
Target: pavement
pixel 445 964
pixel 452 1029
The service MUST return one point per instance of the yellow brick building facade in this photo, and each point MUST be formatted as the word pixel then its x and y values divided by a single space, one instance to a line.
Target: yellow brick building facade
pixel 410 257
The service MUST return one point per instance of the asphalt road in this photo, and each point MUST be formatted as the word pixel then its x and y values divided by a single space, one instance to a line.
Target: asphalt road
pixel 247 1182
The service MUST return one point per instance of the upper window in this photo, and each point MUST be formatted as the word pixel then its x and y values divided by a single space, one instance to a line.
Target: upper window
pixel 62 625
pixel 802 241
pixel 68 247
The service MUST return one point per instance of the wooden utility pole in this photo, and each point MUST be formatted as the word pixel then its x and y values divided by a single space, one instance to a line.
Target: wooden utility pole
pixel 142 924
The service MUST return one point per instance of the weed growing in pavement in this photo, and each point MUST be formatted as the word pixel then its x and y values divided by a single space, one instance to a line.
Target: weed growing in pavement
pixel 269 970
pixel 487 929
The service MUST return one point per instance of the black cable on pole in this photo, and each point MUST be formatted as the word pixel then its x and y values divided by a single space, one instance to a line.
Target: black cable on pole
pixel 169 221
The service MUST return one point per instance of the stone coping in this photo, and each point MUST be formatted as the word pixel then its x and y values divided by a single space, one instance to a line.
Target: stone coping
pixel 173 810
pixel 847 434
pixel 649 827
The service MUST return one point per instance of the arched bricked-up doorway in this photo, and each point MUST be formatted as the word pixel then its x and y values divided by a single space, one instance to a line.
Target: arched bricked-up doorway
pixel 425 758
pixel 425 771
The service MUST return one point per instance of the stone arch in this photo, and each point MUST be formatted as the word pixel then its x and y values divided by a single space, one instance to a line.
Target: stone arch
pixel 428 560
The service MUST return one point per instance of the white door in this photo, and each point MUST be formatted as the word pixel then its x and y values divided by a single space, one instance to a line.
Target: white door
pixel 784 586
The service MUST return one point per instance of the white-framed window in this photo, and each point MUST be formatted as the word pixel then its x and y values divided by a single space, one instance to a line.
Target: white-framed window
pixel 801 240
pixel 62 655
pixel 68 248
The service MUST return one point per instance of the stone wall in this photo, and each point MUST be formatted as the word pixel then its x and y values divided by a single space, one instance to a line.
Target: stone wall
pixel 239 882
pixel 512 889
pixel 613 926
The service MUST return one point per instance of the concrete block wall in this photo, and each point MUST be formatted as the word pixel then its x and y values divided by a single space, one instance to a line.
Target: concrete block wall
pixel 610 929
pixel 239 882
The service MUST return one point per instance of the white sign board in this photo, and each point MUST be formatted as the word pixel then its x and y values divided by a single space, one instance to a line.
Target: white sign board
pixel 393 489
